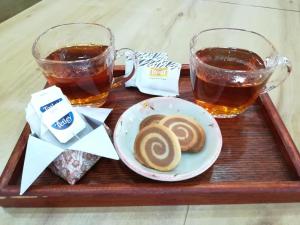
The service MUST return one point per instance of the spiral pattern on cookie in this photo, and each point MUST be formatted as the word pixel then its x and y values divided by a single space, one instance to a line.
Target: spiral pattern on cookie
pixel 157 147
pixel 153 119
pixel 189 133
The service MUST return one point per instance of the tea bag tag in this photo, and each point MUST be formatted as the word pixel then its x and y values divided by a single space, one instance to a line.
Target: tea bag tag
pixel 47 98
pixel 63 122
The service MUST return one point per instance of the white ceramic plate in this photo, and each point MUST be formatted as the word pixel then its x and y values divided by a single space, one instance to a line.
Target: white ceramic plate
pixel 191 164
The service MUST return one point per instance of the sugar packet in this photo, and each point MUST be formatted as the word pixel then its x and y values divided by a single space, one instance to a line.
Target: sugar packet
pixel 155 74
pixel 161 80
pixel 143 58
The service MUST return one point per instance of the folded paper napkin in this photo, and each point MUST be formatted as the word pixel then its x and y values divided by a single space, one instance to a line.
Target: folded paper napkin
pixel 71 165
pixel 70 157
pixel 155 74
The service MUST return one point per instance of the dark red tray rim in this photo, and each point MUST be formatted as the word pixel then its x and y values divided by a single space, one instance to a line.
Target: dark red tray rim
pixel 218 193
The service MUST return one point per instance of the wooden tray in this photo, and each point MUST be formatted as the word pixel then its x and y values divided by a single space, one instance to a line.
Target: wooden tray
pixel 258 163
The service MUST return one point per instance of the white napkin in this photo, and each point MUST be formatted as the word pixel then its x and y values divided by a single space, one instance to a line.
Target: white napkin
pixel 43 147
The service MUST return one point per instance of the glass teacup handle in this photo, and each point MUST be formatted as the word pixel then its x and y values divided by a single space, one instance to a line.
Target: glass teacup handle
pixel 129 54
pixel 283 63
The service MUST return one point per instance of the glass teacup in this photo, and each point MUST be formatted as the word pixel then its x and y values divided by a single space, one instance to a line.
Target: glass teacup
pixel 79 59
pixel 230 68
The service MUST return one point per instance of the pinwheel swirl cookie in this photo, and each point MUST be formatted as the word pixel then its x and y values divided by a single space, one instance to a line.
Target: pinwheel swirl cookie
pixel 190 134
pixel 157 147
pixel 153 119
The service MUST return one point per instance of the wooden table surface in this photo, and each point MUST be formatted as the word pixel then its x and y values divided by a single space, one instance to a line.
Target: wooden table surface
pixel 152 25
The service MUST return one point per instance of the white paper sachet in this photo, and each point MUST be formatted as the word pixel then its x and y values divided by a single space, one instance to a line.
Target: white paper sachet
pixel 155 74
pixel 143 59
pixel 160 80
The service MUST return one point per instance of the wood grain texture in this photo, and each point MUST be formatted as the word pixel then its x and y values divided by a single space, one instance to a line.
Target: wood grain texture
pixel 283 5
pixel 250 168
pixel 154 26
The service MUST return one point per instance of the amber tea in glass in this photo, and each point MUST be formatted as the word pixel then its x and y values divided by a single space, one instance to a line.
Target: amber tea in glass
pixel 220 96
pixel 79 59
pixel 227 80
pixel 78 83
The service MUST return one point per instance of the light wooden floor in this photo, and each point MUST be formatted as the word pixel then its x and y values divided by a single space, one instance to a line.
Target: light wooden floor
pixel 151 25
pixel 10 8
